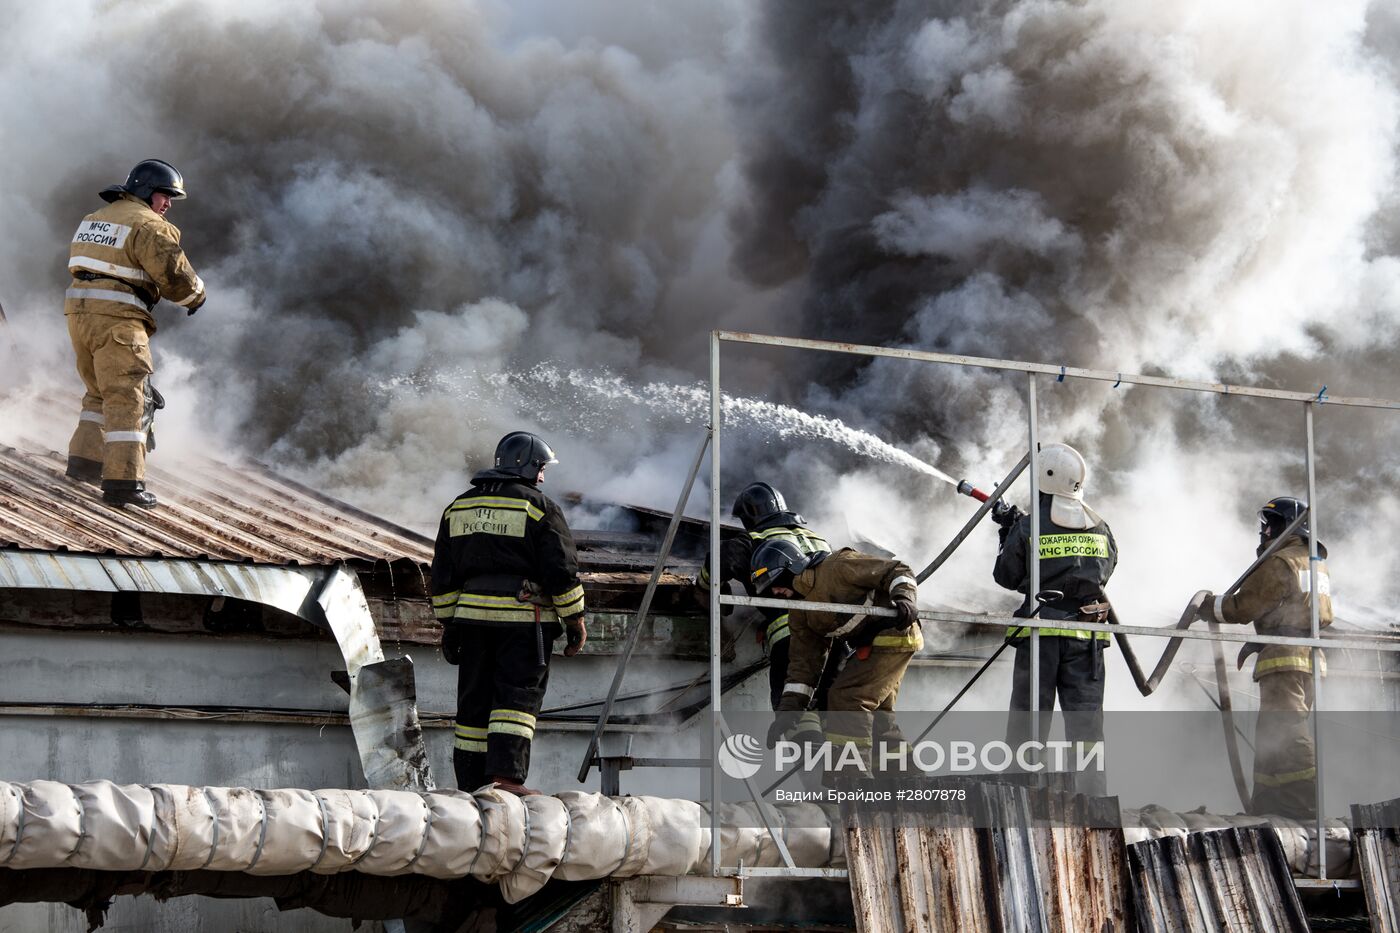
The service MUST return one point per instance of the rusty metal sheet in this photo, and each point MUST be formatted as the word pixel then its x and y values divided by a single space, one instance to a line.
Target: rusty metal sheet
pixel 1005 858
pixel 1214 882
pixel 1376 838
pixel 209 510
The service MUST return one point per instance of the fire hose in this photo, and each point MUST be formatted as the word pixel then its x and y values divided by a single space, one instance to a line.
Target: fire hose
pixel 1146 684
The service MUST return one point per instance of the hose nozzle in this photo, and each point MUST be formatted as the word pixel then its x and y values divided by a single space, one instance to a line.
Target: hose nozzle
pixel 967 489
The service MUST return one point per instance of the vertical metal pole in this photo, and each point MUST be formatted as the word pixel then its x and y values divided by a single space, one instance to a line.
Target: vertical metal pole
pixel 1316 628
pixel 630 645
pixel 1033 551
pixel 716 574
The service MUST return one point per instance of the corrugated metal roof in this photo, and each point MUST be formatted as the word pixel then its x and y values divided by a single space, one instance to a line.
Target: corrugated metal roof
pixel 1376 838
pixel 1214 882
pixel 928 867
pixel 209 510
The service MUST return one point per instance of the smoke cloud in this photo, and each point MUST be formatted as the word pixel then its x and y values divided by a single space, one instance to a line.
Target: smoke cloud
pixel 401 210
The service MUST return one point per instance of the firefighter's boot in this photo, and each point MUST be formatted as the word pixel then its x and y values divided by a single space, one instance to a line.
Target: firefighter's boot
pixel 122 492
pixel 84 470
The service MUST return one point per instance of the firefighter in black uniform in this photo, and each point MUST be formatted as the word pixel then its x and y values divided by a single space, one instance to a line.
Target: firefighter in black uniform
pixel 765 517
pixel 1077 556
pixel 504 585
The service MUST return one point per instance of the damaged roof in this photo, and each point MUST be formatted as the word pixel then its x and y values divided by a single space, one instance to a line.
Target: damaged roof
pixel 209 510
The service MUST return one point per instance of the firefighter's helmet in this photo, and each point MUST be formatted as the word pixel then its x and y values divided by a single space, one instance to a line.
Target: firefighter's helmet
pixel 757 502
pixel 775 563
pixel 522 454
pixel 1278 514
pixel 146 178
pixel 1063 471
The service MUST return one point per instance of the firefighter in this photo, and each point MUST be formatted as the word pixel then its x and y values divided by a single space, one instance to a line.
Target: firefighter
pixel 868 683
pixel 124 258
pixel 1277 598
pixel 504 586
pixel 1077 555
pixel 765 517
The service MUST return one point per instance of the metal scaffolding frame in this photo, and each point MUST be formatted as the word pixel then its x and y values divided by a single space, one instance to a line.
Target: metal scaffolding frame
pixel 712 440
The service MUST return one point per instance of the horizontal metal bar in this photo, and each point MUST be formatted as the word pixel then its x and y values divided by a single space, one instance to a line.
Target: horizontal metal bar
pixel 1068 372
pixel 834 874
pixel 1327 884
pixel 702 763
pixel 266 717
pixel 966 618
pixel 688 890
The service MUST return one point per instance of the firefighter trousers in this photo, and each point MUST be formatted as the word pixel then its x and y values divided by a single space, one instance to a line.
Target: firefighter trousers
pixel 861 702
pixel 1072 670
pixel 500 688
pixel 114 361
pixel 1285 761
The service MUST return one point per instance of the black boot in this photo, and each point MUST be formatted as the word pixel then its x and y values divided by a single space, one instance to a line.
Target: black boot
pixel 84 470
pixel 127 492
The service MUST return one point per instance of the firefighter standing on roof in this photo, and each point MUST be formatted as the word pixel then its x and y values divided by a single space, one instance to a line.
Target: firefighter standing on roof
pixel 124 258
pixel 861 700
pixel 504 585
pixel 1277 598
pixel 1077 556
pixel 765 517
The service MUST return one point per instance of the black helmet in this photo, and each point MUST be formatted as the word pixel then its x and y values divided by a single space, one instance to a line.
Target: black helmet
pixel 757 502
pixel 776 562
pixel 1278 514
pixel 523 454
pixel 146 179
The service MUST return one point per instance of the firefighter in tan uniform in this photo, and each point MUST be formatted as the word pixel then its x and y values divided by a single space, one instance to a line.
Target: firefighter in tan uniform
pixel 124 258
pixel 1276 597
pixel 861 699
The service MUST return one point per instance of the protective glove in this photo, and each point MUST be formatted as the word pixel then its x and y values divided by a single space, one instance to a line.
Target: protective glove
pixel 452 644
pixel 1206 612
pixel 577 633
pixel 1005 514
pixel 783 723
pixel 908 613
pixel 785 717
pixel 1246 650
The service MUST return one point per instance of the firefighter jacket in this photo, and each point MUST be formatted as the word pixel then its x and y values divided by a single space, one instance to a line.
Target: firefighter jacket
pixel 126 257
pixel 849 577
pixel 494 537
pixel 1276 597
pixel 1077 562
pixel 736 553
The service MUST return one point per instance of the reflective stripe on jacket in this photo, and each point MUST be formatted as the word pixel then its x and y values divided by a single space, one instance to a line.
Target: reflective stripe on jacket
pixel 1077 562
pixel 125 257
pixel 1277 598
pixel 491 540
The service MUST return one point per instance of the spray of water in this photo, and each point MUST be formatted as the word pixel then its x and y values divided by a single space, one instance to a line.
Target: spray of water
pixel 692 404
pixel 604 395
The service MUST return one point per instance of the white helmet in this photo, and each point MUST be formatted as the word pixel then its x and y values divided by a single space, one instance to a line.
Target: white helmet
pixel 1063 476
